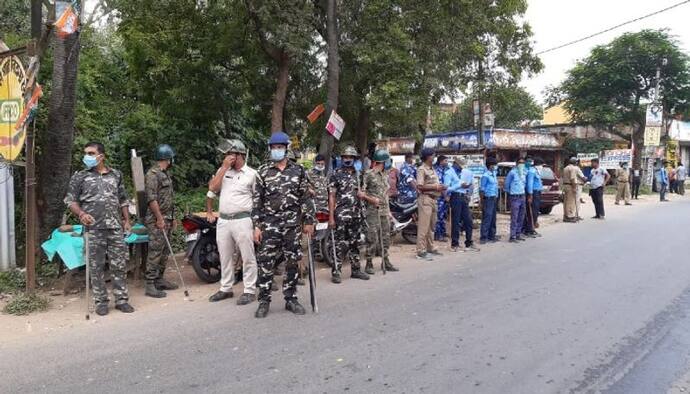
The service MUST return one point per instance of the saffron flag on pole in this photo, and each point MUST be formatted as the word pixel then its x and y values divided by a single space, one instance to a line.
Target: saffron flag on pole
pixel 335 125
pixel 30 109
pixel 316 113
pixel 68 22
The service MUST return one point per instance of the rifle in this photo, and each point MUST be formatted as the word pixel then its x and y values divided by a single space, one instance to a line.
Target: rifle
pixel 383 258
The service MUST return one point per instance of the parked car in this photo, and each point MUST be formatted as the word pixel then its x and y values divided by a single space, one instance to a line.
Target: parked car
pixel 550 196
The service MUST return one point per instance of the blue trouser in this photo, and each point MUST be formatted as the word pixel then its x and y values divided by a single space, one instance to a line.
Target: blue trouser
pixel 488 231
pixel 440 230
pixel 517 214
pixel 460 212
pixel 533 211
pixel 662 192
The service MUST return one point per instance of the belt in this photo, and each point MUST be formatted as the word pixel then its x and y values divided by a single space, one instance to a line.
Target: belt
pixel 517 195
pixel 235 216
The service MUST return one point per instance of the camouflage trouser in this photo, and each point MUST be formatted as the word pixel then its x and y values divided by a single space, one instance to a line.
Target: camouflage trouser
pixel 347 235
pixel 157 251
pixel 110 243
pixel 278 244
pixel 373 242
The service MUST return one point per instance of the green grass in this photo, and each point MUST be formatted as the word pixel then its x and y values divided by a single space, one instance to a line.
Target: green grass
pixel 12 281
pixel 23 304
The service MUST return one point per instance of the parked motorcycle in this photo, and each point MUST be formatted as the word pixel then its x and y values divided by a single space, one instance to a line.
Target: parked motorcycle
pixel 323 244
pixel 202 250
pixel 404 220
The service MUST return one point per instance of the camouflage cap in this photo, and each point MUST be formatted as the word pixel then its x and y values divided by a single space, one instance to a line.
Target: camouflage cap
pixel 349 151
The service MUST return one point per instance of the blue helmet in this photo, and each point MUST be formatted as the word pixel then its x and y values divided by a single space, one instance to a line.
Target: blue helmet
pixel 279 138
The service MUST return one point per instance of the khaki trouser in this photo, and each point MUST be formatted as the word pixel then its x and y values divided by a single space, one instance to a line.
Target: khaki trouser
pixel 623 192
pixel 232 236
pixel 569 210
pixel 426 222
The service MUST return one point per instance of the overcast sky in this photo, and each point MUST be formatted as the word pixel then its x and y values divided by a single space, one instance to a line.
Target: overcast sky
pixel 555 22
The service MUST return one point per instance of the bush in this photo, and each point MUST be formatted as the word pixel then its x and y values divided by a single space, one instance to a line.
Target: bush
pixel 24 304
pixel 12 281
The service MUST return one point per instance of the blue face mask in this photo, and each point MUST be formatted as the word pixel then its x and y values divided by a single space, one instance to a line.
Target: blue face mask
pixel 277 154
pixel 358 166
pixel 387 165
pixel 90 161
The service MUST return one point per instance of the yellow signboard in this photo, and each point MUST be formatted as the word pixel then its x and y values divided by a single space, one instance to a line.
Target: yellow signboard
pixel 652 135
pixel 12 84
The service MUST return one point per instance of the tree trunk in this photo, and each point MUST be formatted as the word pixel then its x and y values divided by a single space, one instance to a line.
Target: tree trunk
pixel 333 81
pixel 637 136
pixel 281 93
pixel 362 129
pixel 54 169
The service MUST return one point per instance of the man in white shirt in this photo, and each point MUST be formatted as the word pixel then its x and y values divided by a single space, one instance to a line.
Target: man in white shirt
pixel 600 177
pixel 235 181
pixel 681 175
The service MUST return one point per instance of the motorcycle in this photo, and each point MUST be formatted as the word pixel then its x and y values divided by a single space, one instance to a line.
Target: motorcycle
pixel 404 220
pixel 202 250
pixel 323 244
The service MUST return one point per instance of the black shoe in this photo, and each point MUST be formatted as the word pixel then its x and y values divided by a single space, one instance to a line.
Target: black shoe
pixel 424 256
pixel 102 309
pixel 295 307
pixel 390 267
pixel 436 253
pixel 162 284
pixel 262 310
pixel 513 240
pixel 245 299
pixel 153 291
pixel 530 235
pixel 335 278
pixel 220 295
pixel 124 308
pixel 596 217
pixel 369 269
pixel 494 240
pixel 521 238
pixel 483 241
pixel 627 203
pixel 359 275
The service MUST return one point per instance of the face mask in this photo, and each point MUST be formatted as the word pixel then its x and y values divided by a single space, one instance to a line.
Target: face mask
pixel 387 165
pixel 528 164
pixel 90 161
pixel 277 154
pixel 521 167
pixel 348 163
pixel 358 166
pixel 319 168
pixel 539 167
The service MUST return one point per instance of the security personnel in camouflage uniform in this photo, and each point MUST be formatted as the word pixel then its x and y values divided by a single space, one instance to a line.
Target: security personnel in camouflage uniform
pixel 318 183
pixel 160 219
pixel 378 226
pixel 98 198
pixel 281 198
pixel 345 215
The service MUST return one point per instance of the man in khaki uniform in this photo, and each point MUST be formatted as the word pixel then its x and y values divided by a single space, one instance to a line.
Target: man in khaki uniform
pixel 570 180
pixel 430 190
pixel 623 184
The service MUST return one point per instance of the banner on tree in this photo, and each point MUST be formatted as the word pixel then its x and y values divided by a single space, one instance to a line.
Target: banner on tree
pixel 335 125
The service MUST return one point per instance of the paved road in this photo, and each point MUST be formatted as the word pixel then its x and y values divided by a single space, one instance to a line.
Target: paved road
pixel 598 306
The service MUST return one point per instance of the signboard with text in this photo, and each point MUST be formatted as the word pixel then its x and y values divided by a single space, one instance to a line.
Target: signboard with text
pixel 653 122
pixel 611 159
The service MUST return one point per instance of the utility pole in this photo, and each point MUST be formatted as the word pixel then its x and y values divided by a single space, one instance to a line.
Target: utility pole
pixel 480 132
pixel 30 181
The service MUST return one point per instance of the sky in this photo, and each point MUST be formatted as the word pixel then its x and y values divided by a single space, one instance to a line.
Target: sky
pixel 555 22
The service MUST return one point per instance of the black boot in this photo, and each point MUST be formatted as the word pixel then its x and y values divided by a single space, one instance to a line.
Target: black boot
pixel 390 267
pixel 295 307
pixel 357 274
pixel 153 291
pixel 262 310
pixel 162 284
pixel 335 277
pixel 124 307
pixel 369 268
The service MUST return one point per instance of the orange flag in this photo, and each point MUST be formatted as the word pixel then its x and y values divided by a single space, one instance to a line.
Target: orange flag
pixel 316 113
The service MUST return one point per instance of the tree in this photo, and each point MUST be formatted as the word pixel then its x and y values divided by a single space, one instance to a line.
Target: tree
pixel 56 141
pixel 611 85
pixel 285 31
pixel 511 105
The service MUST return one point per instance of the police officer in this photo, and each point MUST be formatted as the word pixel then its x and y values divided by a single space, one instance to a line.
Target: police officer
pixel 281 199
pixel 318 183
pixel 160 219
pixel 345 215
pixel 623 184
pixel 514 186
pixel 98 198
pixel 235 181
pixel 488 192
pixel 407 181
pixel 430 189
pixel 376 195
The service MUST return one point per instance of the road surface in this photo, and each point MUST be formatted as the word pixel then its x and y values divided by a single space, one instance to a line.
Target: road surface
pixel 591 307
